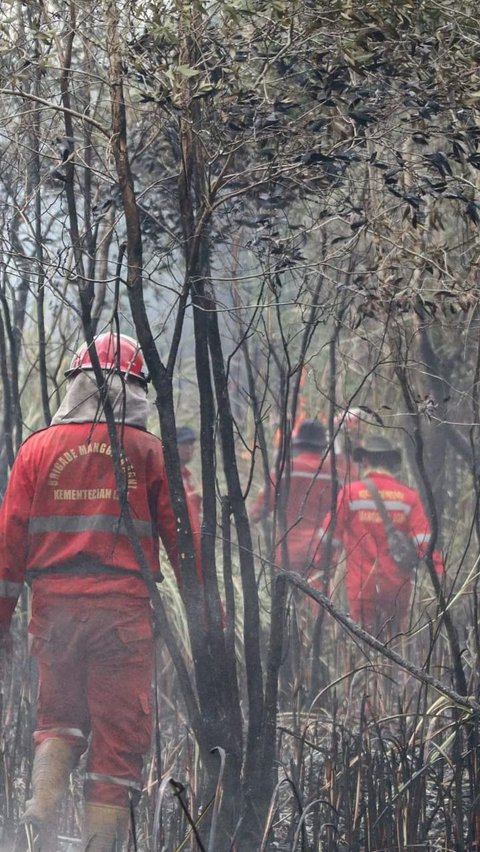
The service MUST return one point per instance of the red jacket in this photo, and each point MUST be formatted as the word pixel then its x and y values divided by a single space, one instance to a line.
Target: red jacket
pixel 370 570
pixel 307 503
pixel 61 513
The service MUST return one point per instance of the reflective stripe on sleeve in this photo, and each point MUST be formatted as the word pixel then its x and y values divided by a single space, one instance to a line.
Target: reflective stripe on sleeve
pixel 309 474
pixel 112 779
pixel 392 505
pixel 421 538
pixel 85 523
pixel 10 590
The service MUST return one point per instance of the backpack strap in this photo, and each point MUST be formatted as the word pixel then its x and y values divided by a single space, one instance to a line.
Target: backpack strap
pixel 375 493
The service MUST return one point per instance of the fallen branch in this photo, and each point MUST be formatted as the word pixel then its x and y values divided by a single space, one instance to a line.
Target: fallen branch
pixel 468 703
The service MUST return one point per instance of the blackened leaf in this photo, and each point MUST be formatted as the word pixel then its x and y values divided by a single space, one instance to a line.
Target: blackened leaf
pixel 420 138
pixel 346 157
pixel 440 162
pixel 391 176
pixel 312 157
pixel 316 125
pixel 474 160
pixel 472 212
pixel 357 223
pixel 362 116
pixel 374 414
pixel 394 192
pixel 414 200
pixel 457 152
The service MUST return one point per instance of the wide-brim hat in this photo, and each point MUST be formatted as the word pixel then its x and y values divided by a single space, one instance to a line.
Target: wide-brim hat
pixel 375 447
pixel 310 433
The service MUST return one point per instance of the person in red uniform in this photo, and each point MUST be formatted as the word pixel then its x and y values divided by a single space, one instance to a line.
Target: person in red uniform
pixel 61 530
pixel 307 489
pixel 378 589
pixel 186 439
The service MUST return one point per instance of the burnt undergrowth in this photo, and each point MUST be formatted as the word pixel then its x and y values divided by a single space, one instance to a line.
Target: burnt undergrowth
pixel 367 757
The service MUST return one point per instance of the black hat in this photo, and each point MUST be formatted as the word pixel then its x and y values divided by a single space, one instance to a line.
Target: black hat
pixel 185 435
pixel 374 448
pixel 310 433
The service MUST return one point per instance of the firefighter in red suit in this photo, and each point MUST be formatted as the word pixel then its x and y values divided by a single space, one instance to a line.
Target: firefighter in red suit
pixel 378 589
pixel 186 439
pixel 307 489
pixel 61 530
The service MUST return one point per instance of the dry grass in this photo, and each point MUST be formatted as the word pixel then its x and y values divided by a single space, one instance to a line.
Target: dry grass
pixel 368 759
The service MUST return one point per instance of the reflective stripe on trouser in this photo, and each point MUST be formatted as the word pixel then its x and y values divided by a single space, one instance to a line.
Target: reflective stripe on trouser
pixel 95 671
pixel 130 783
pixel 72 735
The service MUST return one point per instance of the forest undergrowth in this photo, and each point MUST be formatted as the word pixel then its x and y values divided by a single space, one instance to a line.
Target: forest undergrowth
pixel 367 757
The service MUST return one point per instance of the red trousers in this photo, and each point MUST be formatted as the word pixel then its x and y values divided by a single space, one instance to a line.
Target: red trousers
pixel 381 614
pixel 95 660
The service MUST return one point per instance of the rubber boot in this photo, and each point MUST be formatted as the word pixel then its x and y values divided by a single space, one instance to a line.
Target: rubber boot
pixel 53 762
pixel 105 827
